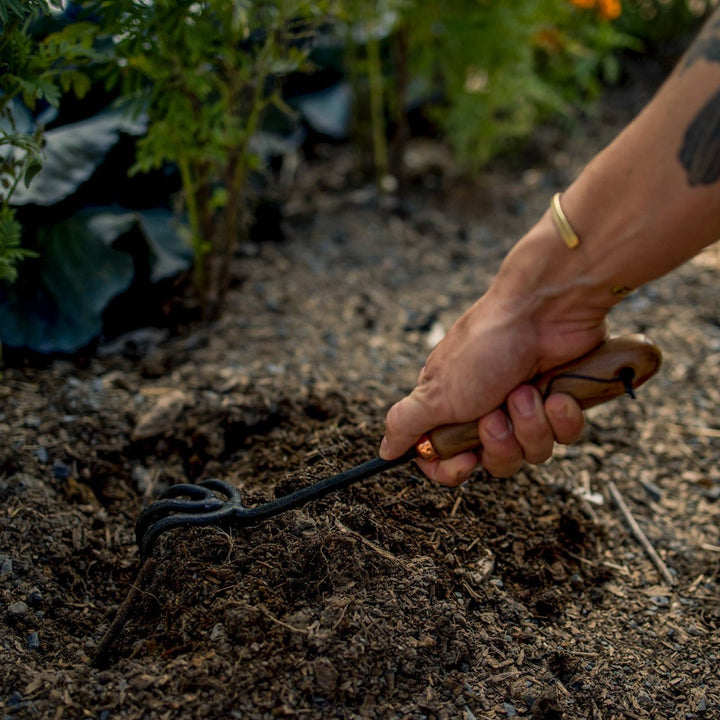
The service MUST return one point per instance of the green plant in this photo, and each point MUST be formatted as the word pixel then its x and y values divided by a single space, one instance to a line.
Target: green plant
pixel 367 30
pixel 501 67
pixel 485 72
pixel 32 69
pixel 578 47
pixel 207 73
pixel 662 23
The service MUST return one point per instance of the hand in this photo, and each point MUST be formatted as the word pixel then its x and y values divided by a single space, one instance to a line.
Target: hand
pixel 482 363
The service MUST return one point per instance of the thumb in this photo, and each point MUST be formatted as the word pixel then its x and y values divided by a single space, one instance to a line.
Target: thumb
pixel 405 422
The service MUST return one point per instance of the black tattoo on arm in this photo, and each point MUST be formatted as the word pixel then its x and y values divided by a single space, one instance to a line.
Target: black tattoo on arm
pixel 707 46
pixel 700 151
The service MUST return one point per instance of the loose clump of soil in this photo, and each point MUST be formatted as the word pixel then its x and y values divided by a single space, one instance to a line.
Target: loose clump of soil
pixel 394 599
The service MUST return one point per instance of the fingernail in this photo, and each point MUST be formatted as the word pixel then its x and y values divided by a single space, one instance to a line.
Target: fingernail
pixel 559 411
pixel 383 446
pixel 461 478
pixel 523 401
pixel 498 426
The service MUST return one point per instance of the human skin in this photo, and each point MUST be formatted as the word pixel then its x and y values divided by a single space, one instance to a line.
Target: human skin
pixel 644 205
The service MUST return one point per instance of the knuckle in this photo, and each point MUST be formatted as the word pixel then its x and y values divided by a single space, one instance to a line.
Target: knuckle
pixel 503 465
pixel 538 456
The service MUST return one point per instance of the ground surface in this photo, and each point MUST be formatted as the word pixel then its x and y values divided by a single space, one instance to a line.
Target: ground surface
pixel 527 597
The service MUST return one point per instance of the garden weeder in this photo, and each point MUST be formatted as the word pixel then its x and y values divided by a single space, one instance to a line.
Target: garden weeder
pixel 615 367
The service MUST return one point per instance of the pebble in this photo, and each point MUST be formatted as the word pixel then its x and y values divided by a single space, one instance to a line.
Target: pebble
pixel 35 597
pixel 6 565
pixel 60 470
pixel 660 600
pixel 218 633
pixel 42 455
pixel 33 641
pixel 18 610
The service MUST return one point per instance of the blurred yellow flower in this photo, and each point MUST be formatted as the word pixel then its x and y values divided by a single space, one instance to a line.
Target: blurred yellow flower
pixel 584 3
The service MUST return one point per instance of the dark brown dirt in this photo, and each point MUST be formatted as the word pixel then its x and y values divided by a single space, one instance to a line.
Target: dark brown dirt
pixel 394 599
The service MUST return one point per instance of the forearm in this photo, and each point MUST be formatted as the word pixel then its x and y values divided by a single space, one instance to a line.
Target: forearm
pixel 644 205
pixel 647 203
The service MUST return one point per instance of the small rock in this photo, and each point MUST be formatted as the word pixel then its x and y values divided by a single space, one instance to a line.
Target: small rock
pixel 35 597
pixel 18 610
pixel 100 518
pixel 218 634
pixel 660 600
pixel 60 470
pixel 33 641
pixel 6 565
pixel 42 455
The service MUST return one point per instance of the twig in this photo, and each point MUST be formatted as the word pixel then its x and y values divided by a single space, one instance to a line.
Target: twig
pixel 272 618
pixel 710 548
pixel 701 431
pixel 639 534
pixel 369 543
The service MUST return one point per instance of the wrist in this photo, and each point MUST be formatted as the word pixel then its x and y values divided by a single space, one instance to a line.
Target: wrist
pixel 544 279
pixel 554 293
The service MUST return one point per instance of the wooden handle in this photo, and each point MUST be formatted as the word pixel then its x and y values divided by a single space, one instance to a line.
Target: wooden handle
pixel 614 368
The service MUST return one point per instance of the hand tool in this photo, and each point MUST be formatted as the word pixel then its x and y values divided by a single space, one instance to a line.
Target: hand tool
pixel 615 367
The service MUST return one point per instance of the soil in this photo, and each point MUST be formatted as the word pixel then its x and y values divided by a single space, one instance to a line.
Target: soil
pixel 395 598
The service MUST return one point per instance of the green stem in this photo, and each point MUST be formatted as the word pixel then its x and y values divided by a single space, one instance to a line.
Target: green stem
pixel 189 191
pixel 377 114
pixel 238 178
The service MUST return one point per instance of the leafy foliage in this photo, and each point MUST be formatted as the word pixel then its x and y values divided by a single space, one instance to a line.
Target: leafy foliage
pixel 501 67
pixel 659 23
pixel 23 8
pixel 207 73
pixel 79 273
pixel 10 251
pixel 32 70
pixel 200 79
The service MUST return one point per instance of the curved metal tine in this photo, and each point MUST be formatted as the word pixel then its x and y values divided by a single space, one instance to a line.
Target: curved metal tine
pixel 146 540
pixel 220 486
pixel 203 506
pixel 173 507
pixel 194 492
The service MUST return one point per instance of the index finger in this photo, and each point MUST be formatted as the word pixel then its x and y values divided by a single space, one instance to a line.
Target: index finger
pixel 406 421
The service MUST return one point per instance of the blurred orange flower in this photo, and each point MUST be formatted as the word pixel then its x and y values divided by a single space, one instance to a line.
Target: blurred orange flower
pixel 610 9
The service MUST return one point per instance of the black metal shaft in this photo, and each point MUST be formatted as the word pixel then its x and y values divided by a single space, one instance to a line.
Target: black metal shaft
pixel 198 505
pixel 324 487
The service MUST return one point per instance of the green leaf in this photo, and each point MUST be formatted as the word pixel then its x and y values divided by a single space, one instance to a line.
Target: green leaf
pixel 33 167
pixel 76 276
pixel 72 154
pixel 59 301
